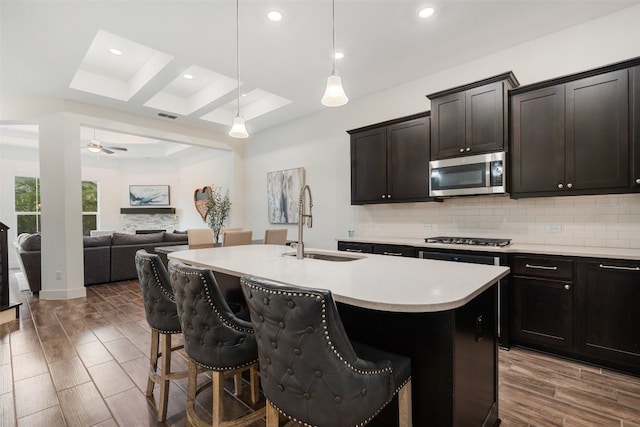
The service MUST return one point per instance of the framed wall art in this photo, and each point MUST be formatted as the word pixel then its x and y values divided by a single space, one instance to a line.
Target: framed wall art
pixel 149 195
pixel 283 192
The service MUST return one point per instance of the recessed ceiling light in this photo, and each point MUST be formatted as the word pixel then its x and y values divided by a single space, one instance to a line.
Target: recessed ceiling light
pixel 274 16
pixel 188 76
pixel 338 55
pixel 426 12
pixel 115 51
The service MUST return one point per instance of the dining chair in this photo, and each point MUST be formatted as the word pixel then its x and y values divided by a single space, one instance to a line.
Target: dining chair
pixel 200 238
pixel 217 340
pixel 162 316
pixel 275 236
pixel 237 237
pixel 310 370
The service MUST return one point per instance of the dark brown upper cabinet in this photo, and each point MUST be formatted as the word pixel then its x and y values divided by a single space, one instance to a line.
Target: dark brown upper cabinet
pixel 571 135
pixel 390 161
pixel 471 119
pixel 635 133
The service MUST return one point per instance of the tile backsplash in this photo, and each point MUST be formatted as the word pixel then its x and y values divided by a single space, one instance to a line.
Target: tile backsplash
pixel 603 221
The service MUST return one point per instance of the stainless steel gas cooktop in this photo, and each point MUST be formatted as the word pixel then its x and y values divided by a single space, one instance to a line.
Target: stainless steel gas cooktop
pixel 476 241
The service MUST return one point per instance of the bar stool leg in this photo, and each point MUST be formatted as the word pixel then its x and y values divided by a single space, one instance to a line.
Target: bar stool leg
pixel 153 360
pixel 404 406
pixel 163 397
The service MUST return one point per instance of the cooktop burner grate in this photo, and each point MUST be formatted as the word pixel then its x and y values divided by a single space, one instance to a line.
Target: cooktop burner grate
pixel 476 241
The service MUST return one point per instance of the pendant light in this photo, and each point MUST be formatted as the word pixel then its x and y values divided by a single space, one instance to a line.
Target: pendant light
pixel 238 129
pixel 334 95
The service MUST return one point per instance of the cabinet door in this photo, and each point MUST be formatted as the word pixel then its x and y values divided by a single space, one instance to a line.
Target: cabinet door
pixel 542 311
pixel 635 115
pixel 408 160
pixel 485 119
pixel 537 126
pixel 368 166
pixel 448 126
pixel 607 315
pixel 597 132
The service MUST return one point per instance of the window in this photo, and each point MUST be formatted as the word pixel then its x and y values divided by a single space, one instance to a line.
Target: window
pixel 27 200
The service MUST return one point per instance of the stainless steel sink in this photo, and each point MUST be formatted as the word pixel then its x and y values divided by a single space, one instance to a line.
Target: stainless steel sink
pixel 327 257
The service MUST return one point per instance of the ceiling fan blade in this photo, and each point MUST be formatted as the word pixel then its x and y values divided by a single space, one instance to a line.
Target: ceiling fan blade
pixel 106 150
pixel 117 148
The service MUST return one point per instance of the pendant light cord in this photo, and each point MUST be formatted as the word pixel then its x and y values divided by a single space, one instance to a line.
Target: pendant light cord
pixel 238 52
pixel 333 25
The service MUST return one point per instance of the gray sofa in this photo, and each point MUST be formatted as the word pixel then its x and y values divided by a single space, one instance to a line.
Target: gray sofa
pixel 106 258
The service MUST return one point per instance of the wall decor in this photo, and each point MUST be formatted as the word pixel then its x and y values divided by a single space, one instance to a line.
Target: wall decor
pixel 149 195
pixel 200 197
pixel 283 193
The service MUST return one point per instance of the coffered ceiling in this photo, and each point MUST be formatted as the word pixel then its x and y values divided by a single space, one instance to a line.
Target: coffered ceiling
pixel 61 49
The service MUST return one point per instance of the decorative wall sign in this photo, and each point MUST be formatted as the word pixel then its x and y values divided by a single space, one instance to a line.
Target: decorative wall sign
pixel 200 197
pixel 149 195
pixel 283 193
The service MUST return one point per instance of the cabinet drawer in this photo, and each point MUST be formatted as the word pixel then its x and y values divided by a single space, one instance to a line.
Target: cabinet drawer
pixel 395 250
pixel 366 248
pixel 543 267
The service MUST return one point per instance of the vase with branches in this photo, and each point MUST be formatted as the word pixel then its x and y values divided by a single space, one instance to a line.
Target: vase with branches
pixel 218 205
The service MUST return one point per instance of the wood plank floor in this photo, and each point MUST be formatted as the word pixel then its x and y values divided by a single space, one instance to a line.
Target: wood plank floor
pixel 84 362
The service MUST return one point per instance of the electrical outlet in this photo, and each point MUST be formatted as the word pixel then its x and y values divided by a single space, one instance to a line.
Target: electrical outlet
pixel 553 228
pixel 58 275
pixel 427 226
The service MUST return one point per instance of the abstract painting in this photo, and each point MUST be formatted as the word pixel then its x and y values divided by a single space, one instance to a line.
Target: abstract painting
pixel 149 195
pixel 283 192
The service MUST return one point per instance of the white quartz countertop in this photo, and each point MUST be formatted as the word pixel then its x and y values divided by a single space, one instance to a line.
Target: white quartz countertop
pixel 578 251
pixel 377 282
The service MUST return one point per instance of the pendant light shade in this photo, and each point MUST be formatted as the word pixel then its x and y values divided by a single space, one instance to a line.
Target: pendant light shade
pixel 238 129
pixel 334 95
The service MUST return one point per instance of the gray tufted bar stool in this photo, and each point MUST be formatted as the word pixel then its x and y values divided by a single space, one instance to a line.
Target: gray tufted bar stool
pixel 162 316
pixel 310 371
pixel 214 339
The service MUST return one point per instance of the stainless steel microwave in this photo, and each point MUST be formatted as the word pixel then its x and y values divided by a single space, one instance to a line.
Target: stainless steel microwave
pixel 468 176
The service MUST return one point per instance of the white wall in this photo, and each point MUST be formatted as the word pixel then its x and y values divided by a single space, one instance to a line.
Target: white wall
pixel 320 144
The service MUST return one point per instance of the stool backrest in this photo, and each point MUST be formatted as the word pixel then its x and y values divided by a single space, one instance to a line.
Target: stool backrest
pixel 308 367
pixel 200 238
pixel 213 336
pixel 275 236
pixel 237 237
pixel 157 294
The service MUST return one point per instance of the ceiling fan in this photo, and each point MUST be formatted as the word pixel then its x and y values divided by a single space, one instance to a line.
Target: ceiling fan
pixel 96 146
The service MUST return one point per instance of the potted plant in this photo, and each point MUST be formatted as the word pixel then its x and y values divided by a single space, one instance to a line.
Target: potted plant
pixel 218 206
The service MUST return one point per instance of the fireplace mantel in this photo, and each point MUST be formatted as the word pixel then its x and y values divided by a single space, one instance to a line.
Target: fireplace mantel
pixel 149 211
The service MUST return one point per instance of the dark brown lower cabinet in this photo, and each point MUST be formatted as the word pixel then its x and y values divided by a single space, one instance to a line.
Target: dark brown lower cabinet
pixel 542 311
pixel 608 312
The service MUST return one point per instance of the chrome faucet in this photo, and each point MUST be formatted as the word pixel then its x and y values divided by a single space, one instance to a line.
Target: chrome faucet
pixel 303 216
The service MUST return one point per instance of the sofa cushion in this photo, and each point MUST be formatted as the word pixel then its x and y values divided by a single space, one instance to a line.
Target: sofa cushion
pixel 30 242
pixel 135 239
pixel 96 241
pixel 175 237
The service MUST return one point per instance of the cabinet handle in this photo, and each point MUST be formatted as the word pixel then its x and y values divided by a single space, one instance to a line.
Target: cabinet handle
pixel 638 181
pixel 468 148
pixel 617 267
pixel 354 250
pixel 384 196
pixel 392 253
pixel 567 287
pixel 560 186
pixel 462 150
pixel 541 267
pixel 388 196
pixel 569 185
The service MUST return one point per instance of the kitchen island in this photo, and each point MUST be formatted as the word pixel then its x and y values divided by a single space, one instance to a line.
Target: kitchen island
pixel 442 315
